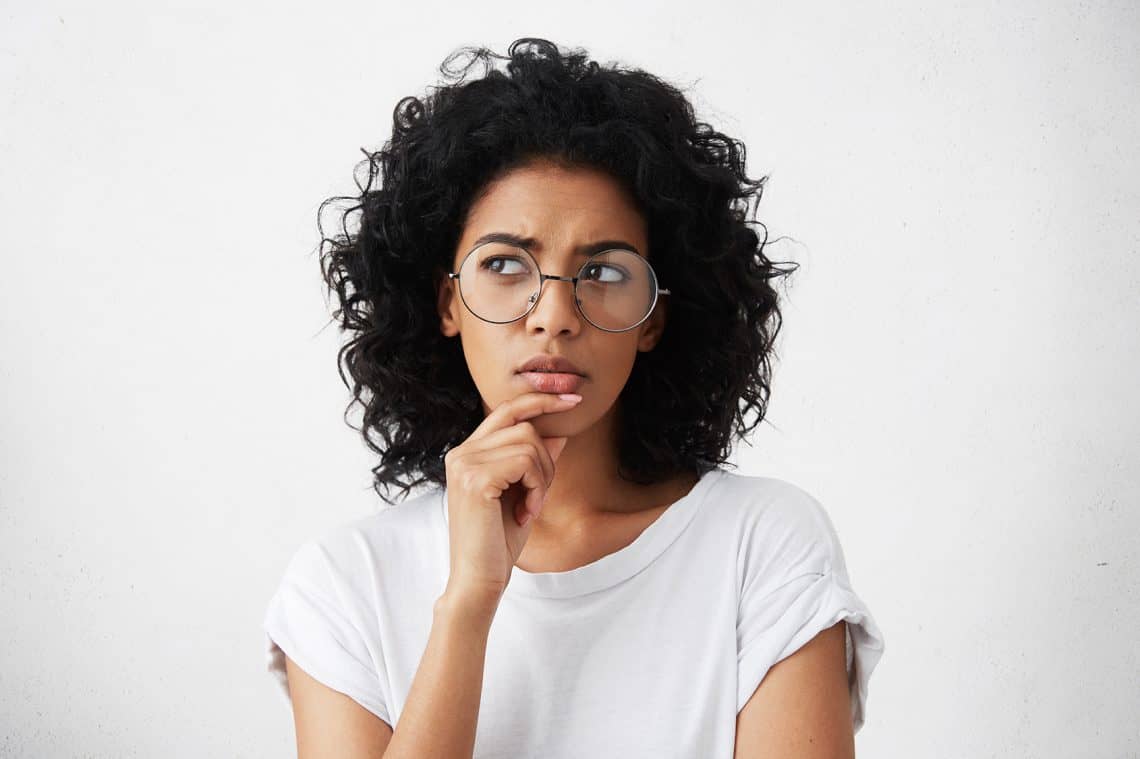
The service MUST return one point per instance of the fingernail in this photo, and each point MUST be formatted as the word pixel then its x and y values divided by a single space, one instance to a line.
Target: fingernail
pixel 570 396
pixel 525 519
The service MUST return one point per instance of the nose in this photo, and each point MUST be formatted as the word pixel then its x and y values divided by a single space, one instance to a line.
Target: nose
pixel 555 312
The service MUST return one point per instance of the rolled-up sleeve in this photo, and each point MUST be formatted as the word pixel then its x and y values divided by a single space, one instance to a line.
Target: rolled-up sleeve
pixel 794 586
pixel 314 619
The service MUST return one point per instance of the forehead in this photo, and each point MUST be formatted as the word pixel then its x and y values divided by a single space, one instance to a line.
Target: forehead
pixel 559 206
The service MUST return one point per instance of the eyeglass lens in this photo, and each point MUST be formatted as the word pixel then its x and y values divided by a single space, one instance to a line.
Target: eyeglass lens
pixel 500 282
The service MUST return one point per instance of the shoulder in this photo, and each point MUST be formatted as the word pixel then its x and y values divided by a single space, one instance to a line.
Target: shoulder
pixel 770 507
pixel 356 548
pixel 781 527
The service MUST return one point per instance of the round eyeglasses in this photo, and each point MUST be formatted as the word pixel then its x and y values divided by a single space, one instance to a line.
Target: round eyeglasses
pixel 615 290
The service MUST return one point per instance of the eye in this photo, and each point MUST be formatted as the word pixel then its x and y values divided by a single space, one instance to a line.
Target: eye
pixel 593 271
pixel 488 264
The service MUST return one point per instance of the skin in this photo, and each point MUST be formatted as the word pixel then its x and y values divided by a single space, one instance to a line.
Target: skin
pixel 802 707
pixel 590 511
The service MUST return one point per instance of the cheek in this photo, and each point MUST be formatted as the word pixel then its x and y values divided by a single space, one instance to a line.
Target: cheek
pixel 479 349
pixel 614 364
pixel 488 362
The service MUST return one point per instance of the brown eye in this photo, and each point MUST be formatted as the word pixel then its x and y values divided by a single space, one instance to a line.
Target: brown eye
pixel 489 264
pixel 593 272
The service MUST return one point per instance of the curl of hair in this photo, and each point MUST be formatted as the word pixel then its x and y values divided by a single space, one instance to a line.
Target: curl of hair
pixel 396 241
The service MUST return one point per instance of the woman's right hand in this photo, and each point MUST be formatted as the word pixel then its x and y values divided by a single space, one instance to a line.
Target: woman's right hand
pixel 497 480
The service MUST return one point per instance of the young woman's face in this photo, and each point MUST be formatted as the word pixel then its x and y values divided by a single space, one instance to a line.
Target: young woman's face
pixel 561 209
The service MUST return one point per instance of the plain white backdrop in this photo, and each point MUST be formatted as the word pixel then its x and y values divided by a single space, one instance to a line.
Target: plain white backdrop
pixel 957 376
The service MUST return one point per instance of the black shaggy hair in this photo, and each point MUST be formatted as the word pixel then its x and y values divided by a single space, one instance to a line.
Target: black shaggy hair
pixel 687 398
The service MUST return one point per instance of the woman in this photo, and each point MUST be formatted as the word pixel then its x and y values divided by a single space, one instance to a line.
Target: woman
pixel 560 316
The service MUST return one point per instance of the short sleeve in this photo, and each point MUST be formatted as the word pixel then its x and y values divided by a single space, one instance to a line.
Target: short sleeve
pixel 794 586
pixel 317 620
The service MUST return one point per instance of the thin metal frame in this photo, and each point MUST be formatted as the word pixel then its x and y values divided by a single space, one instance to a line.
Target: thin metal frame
pixel 542 282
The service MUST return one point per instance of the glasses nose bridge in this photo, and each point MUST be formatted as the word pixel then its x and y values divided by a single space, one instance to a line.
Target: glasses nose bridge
pixel 542 286
pixel 555 276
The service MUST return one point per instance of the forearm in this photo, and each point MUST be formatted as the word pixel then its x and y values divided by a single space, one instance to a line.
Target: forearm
pixel 442 709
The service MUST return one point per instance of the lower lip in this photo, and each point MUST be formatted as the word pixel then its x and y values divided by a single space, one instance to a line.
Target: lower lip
pixel 554 382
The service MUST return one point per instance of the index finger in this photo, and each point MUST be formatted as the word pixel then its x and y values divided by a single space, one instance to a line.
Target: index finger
pixel 525 406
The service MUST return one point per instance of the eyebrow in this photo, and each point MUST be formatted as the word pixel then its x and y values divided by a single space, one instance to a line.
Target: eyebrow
pixel 530 243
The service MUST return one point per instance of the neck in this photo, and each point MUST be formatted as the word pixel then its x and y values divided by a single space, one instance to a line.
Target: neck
pixel 587 491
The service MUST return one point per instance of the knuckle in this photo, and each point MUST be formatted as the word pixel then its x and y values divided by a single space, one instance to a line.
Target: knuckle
pixel 453 462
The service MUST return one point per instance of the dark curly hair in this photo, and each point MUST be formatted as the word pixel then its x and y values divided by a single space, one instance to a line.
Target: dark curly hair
pixel 712 365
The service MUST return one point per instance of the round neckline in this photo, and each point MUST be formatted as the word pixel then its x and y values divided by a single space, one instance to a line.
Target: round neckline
pixel 619 565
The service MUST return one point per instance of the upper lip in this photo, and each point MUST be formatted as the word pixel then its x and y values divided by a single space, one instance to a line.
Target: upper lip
pixel 544 362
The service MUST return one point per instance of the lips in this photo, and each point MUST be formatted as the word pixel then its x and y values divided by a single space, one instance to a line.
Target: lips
pixel 545 362
pixel 548 373
pixel 554 382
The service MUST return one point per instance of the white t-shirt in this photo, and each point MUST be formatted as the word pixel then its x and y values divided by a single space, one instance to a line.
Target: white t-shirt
pixel 650 651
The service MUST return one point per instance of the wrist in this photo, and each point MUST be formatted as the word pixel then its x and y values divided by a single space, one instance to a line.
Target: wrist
pixel 474 604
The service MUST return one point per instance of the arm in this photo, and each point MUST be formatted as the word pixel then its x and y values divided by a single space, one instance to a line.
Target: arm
pixel 802 707
pixel 440 715
pixel 329 723
pixel 442 709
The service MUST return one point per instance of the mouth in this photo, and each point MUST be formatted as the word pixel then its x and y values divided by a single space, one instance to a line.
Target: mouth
pixel 553 382
pixel 550 363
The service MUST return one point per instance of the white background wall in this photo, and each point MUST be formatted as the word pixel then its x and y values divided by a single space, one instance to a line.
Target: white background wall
pixel 959 357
